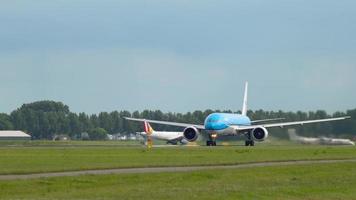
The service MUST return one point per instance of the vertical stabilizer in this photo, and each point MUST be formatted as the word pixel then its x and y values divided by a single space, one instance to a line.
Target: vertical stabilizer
pixel 244 106
pixel 148 129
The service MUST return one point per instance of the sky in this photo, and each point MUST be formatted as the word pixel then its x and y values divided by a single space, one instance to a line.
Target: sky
pixel 178 55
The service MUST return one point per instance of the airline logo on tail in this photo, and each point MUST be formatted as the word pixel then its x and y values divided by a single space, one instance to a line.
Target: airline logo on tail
pixel 148 128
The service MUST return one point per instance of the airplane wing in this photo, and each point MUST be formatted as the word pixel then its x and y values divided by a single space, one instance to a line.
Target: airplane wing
pixel 283 124
pixel 266 120
pixel 166 123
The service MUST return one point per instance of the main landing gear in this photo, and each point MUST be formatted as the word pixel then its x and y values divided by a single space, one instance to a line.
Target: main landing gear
pixel 249 141
pixel 212 140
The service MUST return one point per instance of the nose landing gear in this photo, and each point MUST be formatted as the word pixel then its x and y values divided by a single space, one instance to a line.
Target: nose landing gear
pixel 212 140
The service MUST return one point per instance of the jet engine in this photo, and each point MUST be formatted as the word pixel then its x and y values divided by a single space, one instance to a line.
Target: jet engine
pixel 191 134
pixel 259 134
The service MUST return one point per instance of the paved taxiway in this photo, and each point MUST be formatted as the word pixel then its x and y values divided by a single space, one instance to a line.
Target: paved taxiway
pixel 167 169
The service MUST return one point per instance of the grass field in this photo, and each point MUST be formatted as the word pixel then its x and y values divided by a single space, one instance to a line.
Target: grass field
pixel 45 158
pixel 50 143
pixel 318 181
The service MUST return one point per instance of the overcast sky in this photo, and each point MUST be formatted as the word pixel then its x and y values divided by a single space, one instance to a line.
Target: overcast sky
pixel 178 55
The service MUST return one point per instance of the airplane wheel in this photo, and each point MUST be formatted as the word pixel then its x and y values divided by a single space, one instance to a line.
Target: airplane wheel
pixel 250 143
pixel 210 143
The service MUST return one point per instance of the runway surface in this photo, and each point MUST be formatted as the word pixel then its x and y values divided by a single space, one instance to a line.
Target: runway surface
pixel 167 169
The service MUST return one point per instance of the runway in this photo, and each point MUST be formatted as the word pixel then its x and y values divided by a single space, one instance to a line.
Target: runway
pixel 167 169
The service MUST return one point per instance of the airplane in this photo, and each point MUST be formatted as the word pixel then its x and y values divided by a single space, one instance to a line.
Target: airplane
pixel 232 124
pixel 322 140
pixel 170 137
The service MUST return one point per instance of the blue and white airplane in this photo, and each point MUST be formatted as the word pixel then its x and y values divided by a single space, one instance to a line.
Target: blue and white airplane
pixel 233 124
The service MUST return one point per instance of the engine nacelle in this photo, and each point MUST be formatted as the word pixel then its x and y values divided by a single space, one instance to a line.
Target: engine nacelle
pixel 191 134
pixel 259 134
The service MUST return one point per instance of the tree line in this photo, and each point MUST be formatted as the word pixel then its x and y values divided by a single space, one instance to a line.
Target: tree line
pixel 46 119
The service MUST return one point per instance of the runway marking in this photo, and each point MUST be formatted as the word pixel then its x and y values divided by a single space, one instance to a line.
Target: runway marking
pixel 166 169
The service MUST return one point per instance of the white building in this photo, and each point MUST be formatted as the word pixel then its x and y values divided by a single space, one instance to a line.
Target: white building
pixel 14 135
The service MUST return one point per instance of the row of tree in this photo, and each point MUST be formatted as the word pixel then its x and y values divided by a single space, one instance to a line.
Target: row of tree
pixel 45 119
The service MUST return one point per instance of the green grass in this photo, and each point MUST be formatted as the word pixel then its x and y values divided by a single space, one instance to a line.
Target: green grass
pixel 21 160
pixel 317 181
pixel 40 143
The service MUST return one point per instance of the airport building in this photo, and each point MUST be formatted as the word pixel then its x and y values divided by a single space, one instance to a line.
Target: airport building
pixel 14 135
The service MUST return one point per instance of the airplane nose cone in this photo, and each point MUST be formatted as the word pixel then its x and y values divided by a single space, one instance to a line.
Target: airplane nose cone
pixel 215 122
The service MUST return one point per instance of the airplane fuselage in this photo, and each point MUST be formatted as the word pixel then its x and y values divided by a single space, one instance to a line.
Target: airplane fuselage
pixel 162 135
pixel 220 123
pixel 321 140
